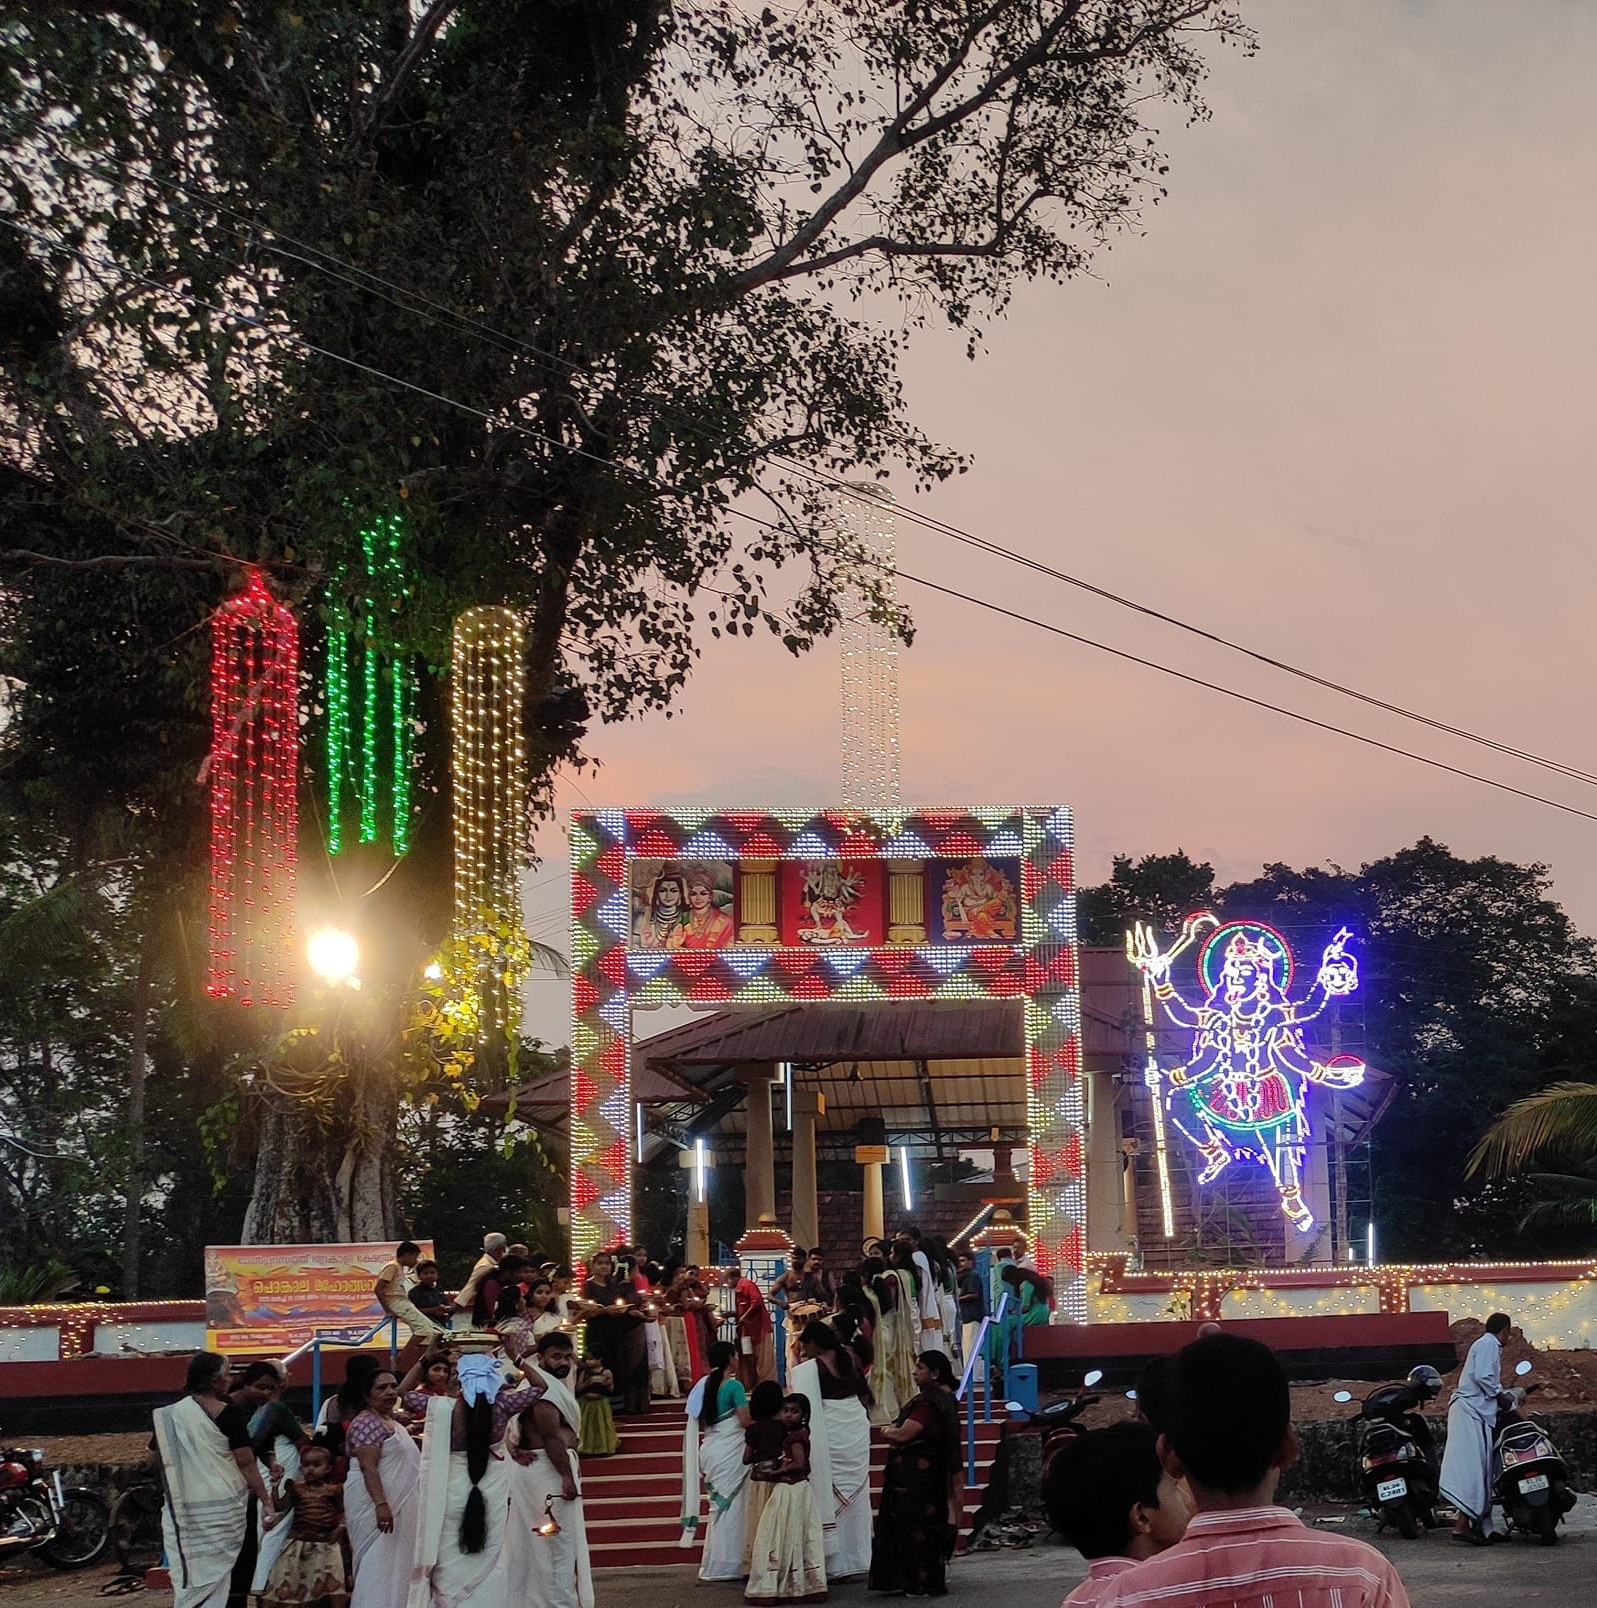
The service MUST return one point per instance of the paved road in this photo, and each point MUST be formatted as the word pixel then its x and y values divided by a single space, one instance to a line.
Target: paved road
pixel 1437 1574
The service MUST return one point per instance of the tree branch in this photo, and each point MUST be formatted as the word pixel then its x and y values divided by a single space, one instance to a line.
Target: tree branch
pixel 382 103
pixel 903 134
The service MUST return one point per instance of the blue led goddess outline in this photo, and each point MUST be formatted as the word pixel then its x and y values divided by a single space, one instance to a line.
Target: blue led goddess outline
pixel 1241 1096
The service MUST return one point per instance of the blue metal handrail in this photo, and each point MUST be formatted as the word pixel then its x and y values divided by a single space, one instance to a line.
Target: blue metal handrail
pixel 968 1396
pixel 317 1341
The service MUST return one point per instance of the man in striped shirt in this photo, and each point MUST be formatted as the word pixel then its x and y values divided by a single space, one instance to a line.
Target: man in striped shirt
pixel 1230 1435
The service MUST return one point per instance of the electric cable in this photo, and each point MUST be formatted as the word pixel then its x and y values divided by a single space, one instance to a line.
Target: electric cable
pixel 953 592
pixel 264 235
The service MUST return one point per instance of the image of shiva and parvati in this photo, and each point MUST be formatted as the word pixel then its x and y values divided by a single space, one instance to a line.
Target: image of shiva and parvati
pixel 690 904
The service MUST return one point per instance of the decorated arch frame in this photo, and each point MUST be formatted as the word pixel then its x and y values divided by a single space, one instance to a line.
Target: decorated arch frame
pixel 612 971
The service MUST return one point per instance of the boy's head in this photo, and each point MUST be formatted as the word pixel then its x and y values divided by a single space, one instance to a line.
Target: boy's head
pixel 964 1261
pixel 426 1272
pixel 1229 1418
pixel 407 1254
pixel 315 1464
pixel 766 1401
pixel 1107 1495
pixel 1153 1395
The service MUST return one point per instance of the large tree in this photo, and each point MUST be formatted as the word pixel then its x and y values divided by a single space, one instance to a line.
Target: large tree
pixel 576 283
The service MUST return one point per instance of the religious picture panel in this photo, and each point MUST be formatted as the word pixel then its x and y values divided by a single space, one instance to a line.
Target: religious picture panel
pixel 972 901
pixel 683 904
pixel 827 904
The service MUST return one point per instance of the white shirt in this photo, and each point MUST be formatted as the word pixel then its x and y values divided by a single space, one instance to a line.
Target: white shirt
pixel 930 1311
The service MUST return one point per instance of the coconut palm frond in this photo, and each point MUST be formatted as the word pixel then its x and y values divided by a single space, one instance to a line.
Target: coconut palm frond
pixel 1560 1119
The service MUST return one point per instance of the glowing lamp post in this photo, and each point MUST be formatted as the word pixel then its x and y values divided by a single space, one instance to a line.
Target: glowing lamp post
pixel 333 955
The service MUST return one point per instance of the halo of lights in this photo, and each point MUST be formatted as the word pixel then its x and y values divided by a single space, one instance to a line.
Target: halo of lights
pixel 362 644
pixel 333 955
pixel 253 774
pixel 488 775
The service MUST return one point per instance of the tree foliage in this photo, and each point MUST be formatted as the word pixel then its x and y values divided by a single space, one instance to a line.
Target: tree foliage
pixel 575 283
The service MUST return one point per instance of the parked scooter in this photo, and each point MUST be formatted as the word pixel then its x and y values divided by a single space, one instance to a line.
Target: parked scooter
pixel 1399 1470
pixel 68 1526
pixel 1060 1420
pixel 1529 1478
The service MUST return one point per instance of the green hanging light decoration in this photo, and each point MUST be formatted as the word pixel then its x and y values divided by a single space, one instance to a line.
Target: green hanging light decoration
pixel 363 648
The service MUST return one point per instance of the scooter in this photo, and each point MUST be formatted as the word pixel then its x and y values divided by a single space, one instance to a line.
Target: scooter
pixel 1398 1467
pixel 1529 1478
pixel 1059 1419
pixel 68 1526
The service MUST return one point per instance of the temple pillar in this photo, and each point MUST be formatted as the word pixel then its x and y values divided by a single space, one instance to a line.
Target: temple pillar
pixel 808 1106
pixel 872 1158
pixel 759 1173
pixel 696 1247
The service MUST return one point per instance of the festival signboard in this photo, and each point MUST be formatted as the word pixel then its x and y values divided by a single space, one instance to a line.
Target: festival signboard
pixel 272 1298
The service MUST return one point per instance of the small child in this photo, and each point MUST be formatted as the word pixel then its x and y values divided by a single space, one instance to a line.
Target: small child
pixel 594 1386
pixel 789 1559
pixel 1110 1498
pixel 427 1295
pixel 762 1455
pixel 310 1571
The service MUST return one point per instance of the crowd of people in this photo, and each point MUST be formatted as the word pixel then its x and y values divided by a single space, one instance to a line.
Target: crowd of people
pixel 457 1484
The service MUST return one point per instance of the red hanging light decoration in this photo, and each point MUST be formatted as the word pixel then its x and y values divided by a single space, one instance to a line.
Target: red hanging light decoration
pixel 253 772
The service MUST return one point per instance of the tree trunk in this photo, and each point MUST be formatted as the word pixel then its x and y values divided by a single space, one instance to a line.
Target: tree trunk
pixel 334 1185
pixel 138 1074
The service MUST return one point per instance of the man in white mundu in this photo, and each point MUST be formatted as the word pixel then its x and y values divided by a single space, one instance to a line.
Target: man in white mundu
pixel 1471 1421
pixel 546 1547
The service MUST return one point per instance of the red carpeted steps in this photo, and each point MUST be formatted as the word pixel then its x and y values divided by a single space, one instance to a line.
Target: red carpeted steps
pixel 634 1499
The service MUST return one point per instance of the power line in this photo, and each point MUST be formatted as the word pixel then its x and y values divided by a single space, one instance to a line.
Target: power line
pixel 263 234
pixel 765 524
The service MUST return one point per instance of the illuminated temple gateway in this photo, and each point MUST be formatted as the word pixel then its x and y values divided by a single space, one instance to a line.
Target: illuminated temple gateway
pixel 879 1006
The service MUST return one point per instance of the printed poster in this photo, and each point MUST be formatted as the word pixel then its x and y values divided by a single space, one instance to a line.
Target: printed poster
pixel 272 1298
pixel 973 901
pixel 828 904
pixel 683 904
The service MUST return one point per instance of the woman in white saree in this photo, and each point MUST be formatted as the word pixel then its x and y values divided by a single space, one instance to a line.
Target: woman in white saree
pixel 718 1407
pixel 464 1505
pixel 208 1473
pixel 897 1342
pixel 840 1447
pixel 379 1491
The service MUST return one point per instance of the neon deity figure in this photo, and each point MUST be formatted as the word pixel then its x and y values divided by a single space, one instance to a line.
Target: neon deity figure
pixel 1242 1094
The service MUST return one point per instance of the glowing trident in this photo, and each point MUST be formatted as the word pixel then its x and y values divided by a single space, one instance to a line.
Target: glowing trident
pixel 1142 950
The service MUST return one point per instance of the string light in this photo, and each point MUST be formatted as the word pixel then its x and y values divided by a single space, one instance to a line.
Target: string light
pixel 610 978
pixel 253 773
pixel 488 773
pixel 387 727
pixel 1240 1096
pixel 866 535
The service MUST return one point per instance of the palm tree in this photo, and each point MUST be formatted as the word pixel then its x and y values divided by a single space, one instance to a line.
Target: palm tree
pixel 1560 1120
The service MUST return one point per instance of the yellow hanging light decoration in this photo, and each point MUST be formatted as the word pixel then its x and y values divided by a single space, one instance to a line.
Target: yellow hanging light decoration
pixel 488 772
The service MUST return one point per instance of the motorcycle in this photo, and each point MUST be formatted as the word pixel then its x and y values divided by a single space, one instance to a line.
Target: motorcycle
pixel 1530 1480
pixel 1398 1466
pixel 68 1526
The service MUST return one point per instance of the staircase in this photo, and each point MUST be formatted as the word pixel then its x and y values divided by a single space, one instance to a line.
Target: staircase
pixel 633 1500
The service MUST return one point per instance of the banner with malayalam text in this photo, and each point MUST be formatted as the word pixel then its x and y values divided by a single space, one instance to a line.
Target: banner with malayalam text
pixel 268 1299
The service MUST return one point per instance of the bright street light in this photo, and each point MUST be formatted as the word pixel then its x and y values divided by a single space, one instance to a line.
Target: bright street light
pixel 333 955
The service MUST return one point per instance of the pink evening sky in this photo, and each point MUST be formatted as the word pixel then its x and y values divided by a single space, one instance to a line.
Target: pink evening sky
pixel 1334 404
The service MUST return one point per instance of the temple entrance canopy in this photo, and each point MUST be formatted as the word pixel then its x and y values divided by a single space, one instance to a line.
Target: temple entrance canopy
pixel 764 909
pixel 944 1083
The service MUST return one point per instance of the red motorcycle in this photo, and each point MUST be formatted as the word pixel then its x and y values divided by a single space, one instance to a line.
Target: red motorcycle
pixel 68 1526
